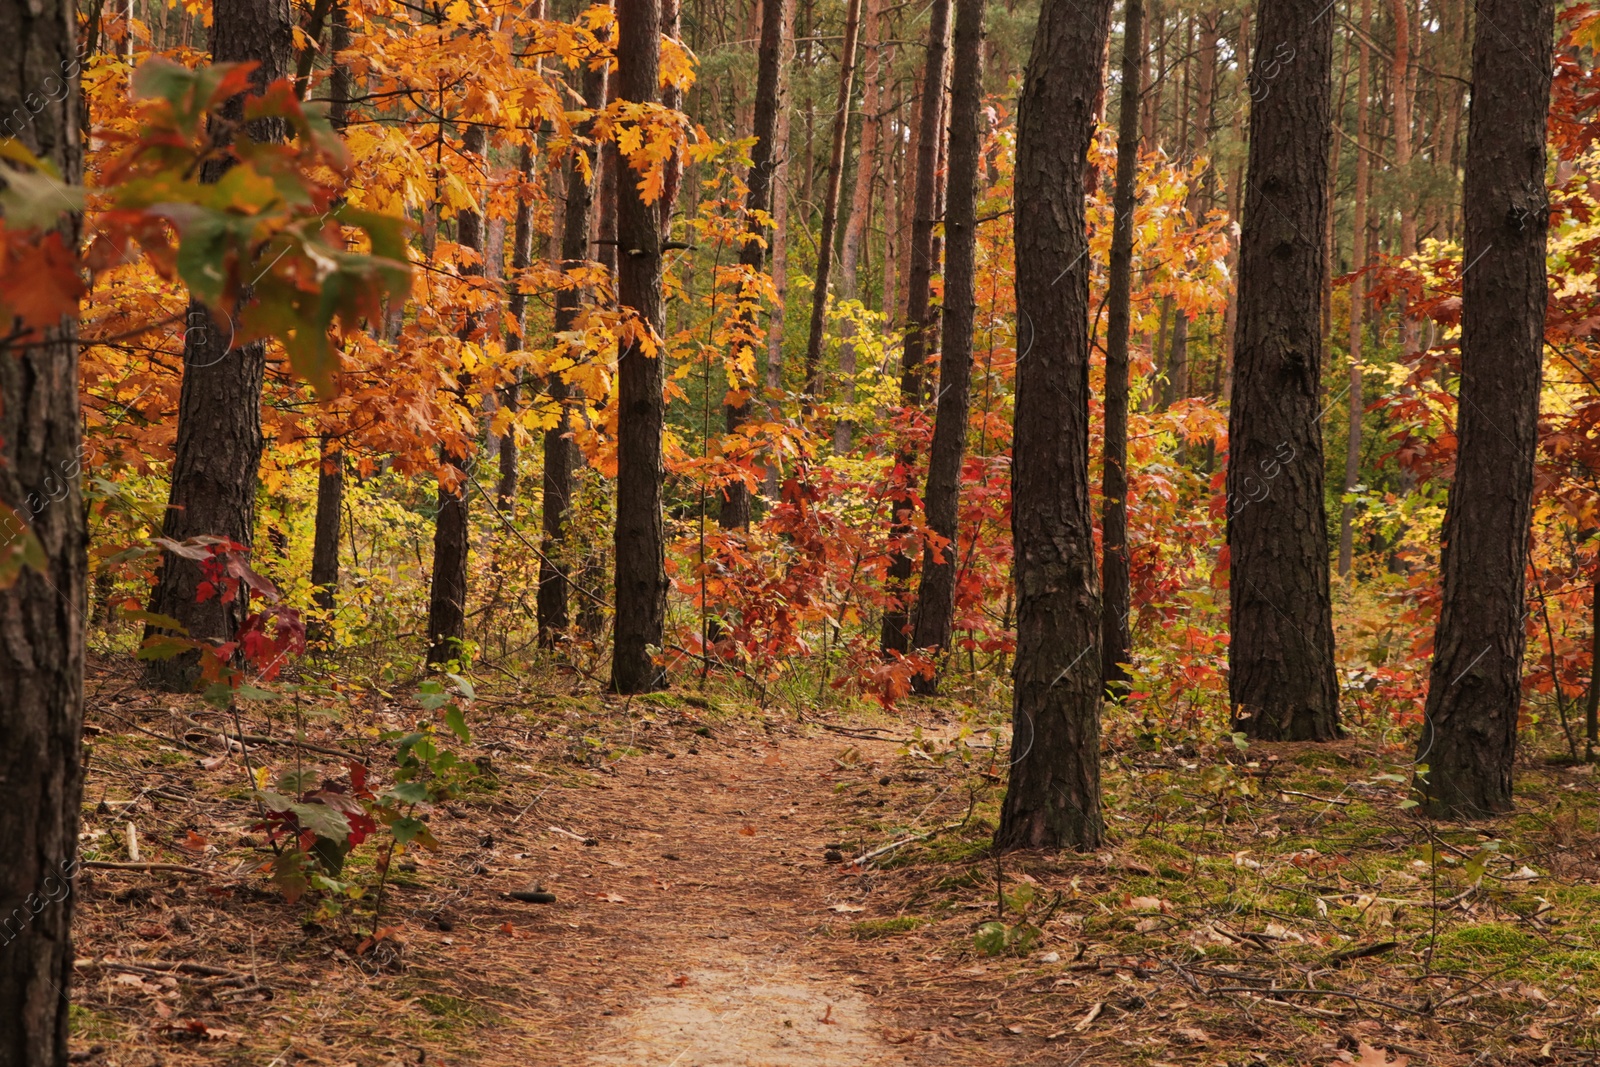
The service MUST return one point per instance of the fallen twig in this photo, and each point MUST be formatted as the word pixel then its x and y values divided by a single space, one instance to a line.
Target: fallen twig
pixel 111 865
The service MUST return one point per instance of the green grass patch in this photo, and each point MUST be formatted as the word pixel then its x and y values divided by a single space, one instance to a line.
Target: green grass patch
pixel 870 929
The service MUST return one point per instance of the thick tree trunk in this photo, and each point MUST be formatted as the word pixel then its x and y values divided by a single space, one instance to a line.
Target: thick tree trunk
pixel 218 451
pixel 830 205
pixel 1053 797
pixel 734 513
pixel 936 597
pixel 895 635
pixel 640 544
pixel 1281 667
pixel 1475 688
pixel 447 593
pixel 1116 638
pixel 42 636
pixel 1352 456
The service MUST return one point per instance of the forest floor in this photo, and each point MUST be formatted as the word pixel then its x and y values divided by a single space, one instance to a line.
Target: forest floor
pixel 1270 905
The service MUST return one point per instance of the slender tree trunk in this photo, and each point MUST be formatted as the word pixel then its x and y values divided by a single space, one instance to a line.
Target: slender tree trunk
pixel 640 545
pixel 1116 638
pixel 218 451
pixel 1352 456
pixel 830 205
pixel 1475 688
pixel 1281 667
pixel 759 186
pixel 1053 797
pixel 895 635
pixel 522 240
pixel 1591 713
pixel 42 637
pixel 562 458
pixel 330 470
pixel 936 599
pixel 860 216
pixel 447 594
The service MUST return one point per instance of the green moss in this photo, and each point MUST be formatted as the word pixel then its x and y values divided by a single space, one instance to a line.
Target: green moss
pixel 1487 944
pixel 874 928
pixel 86 1024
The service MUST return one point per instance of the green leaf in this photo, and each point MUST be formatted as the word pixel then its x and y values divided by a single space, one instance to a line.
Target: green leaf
pixel 990 938
pixel 322 820
pixel 152 618
pixel 463 686
pixel 431 694
pixel 457 723
pixel 34 200
pixel 410 792
pixel 19 547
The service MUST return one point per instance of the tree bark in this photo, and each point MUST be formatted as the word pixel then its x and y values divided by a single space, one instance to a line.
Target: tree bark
pixel 522 241
pixel 218 451
pixel 330 470
pixel 896 635
pixel 42 635
pixel 1053 797
pixel 1116 637
pixel 859 217
pixel 936 597
pixel 734 513
pixel 640 543
pixel 447 593
pixel 1281 666
pixel 1352 455
pixel 562 457
pixel 830 205
pixel 1475 687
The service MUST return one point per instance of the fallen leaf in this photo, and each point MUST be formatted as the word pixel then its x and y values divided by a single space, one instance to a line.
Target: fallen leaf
pixel 1148 904
pixel 828 1017
pixel 846 907
pixel 193 842
pixel 1373 1057
pixel 1189 1035
pixel 772 759
pixel 611 898
pixel 680 981
pixel 747 830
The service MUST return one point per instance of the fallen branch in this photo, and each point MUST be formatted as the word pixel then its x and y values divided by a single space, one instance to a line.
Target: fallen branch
pixel 868 857
pixel 111 865
pixel 1307 991
pixel 167 967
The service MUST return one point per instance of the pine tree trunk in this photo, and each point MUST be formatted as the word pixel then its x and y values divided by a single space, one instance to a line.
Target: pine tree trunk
pixel 830 205
pixel 860 215
pixel 330 471
pixel 640 542
pixel 562 458
pixel 895 635
pixel 1053 797
pixel 1475 687
pixel 1352 456
pixel 1281 666
pixel 734 513
pixel 447 592
pixel 522 241
pixel 42 638
pixel 218 451
pixel 936 598
pixel 1116 638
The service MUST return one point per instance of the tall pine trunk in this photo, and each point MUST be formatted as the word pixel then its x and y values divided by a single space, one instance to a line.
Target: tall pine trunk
pixel 1053 797
pixel 1116 637
pixel 640 542
pixel 562 457
pixel 937 595
pixel 447 592
pixel 1352 456
pixel 830 205
pixel 859 217
pixel 1281 667
pixel 734 513
pixel 1475 688
pixel 218 452
pixel 895 635
pixel 42 638
pixel 522 241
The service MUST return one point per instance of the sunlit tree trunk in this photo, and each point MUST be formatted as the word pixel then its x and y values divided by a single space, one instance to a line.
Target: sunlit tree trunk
pixel 218 451
pixel 42 636
pixel 640 544
pixel 1116 639
pixel 936 596
pixel 830 205
pixel 1281 667
pixel 859 217
pixel 1053 796
pixel 1469 734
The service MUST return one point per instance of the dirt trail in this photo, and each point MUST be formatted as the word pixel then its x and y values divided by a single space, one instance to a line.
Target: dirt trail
pixel 717 855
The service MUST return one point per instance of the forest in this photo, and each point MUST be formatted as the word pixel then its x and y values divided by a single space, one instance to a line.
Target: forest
pixel 799 533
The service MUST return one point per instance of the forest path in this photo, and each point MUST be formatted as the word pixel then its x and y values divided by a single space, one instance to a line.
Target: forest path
pixel 708 878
